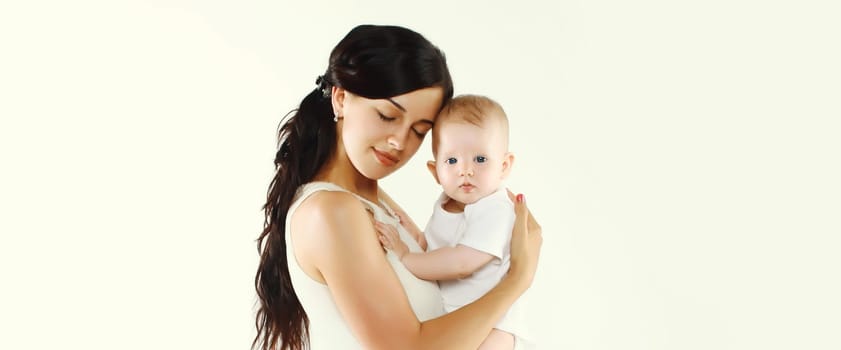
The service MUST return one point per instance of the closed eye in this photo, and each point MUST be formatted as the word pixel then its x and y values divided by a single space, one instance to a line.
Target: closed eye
pixel 422 127
pixel 386 118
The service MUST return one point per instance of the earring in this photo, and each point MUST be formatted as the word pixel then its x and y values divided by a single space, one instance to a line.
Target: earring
pixel 335 118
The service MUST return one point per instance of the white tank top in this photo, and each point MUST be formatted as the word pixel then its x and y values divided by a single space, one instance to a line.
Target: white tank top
pixel 328 329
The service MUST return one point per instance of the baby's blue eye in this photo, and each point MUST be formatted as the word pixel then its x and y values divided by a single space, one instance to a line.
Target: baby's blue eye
pixel 451 161
pixel 481 159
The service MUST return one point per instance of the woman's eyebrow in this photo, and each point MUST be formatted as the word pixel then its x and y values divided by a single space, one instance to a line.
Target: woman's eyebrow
pixel 396 104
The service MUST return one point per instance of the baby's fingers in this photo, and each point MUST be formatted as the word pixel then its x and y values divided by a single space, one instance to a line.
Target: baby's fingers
pixel 385 229
pixel 385 242
pixel 386 232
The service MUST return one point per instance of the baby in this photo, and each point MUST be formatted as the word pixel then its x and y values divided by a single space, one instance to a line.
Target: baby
pixel 468 236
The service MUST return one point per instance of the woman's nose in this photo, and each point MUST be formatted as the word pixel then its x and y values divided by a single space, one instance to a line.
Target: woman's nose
pixel 395 143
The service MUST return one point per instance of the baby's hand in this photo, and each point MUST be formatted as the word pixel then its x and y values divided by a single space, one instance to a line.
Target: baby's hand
pixel 390 239
pixel 411 228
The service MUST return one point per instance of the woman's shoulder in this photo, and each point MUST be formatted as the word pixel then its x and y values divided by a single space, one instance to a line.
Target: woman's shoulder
pixel 329 207
pixel 325 230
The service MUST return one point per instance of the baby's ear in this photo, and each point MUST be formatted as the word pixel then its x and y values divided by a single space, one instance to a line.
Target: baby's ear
pixel 507 163
pixel 431 166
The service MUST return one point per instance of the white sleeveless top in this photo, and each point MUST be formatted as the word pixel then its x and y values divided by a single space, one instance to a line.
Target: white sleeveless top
pixel 328 329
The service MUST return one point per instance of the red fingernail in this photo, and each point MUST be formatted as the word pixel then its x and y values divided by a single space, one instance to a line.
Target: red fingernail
pixel 521 198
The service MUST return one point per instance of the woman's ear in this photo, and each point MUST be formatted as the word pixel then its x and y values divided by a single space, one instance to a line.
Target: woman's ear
pixel 507 163
pixel 337 98
pixel 431 166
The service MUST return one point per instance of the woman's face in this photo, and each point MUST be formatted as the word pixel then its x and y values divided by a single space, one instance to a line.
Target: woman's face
pixel 381 135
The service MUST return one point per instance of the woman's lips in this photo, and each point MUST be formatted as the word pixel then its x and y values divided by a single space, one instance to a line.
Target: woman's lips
pixel 385 158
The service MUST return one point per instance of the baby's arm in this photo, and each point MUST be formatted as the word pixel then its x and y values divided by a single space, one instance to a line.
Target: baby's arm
pixel 447 263
pixel 405 220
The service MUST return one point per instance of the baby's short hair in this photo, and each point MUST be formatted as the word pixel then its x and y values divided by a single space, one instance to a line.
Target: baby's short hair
pixel 474 109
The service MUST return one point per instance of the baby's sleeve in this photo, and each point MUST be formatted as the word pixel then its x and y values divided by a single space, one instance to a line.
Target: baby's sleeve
pixel 488 227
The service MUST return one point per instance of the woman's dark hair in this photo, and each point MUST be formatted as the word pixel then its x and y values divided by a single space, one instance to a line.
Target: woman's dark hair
pixel 370 61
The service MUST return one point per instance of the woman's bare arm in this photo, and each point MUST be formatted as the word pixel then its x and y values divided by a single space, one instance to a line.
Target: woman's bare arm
pixel 335 242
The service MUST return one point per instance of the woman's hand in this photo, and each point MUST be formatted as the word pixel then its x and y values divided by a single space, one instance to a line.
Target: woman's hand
pixel 390 239
pixel 526 240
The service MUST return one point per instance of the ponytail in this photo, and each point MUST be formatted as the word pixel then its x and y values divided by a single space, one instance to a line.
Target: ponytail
pixel 305 141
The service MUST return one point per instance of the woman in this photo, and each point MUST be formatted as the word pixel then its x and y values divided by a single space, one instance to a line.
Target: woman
pixel 324 281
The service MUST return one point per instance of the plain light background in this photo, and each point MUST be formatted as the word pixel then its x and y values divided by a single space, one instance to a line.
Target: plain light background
pixel 682 157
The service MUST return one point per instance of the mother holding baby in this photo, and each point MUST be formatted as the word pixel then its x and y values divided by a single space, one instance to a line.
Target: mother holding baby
pixel 324 280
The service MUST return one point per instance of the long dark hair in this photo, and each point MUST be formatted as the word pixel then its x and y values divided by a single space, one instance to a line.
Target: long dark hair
pixel 370 61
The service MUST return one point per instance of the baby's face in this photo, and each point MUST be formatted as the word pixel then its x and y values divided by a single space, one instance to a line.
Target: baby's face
pixel 471 160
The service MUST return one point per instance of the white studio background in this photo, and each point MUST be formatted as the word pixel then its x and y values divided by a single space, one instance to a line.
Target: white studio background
pixel 683 159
